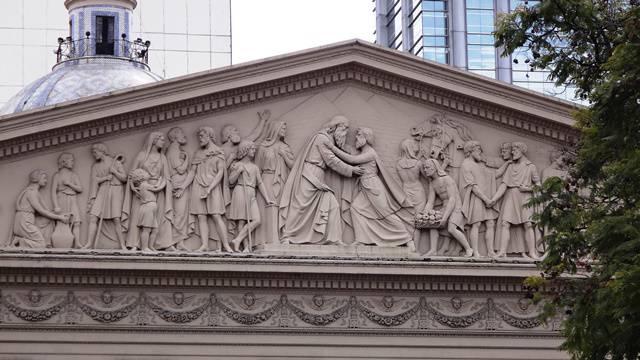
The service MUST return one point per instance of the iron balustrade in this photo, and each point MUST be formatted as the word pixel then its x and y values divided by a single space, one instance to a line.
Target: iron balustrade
pixel 68 49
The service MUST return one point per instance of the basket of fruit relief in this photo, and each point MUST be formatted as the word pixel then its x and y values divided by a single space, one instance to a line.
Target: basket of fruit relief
pixel 428 219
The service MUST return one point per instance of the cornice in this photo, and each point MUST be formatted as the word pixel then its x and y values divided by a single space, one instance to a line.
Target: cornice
pixel 357 63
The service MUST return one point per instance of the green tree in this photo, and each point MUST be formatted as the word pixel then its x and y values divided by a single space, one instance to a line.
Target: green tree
pixel 593 219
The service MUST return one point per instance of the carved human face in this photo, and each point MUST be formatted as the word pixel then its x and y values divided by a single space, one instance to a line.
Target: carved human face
pixel 181 138
pixel 283 130
pixel 68 163
pixel 516 153
pixel 203 138
pixel 235 136
pixel 160 141
pixel 252 152
pixel 360 140
pixel 428 169
pixel 340 135
pixel 43 180
pixel 97 154
pixel 505 152
pixel 477 153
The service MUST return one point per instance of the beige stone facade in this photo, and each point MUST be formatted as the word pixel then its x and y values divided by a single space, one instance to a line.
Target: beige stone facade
pixel 338 300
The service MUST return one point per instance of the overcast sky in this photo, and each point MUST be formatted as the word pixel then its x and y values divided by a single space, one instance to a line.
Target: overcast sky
pixel 263 28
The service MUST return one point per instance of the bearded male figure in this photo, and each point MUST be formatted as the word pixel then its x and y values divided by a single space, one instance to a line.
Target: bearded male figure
pixel 309 211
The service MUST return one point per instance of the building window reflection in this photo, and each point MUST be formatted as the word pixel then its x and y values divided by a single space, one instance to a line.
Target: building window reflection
pixel 481 55
pixel 430 30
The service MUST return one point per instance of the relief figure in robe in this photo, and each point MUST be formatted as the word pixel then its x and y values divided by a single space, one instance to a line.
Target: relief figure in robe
pixel 478 187
pixel 444 187
pixel 515 191
pixel 26 233
pixel 106 194
pixel 152 159
pixel 274 158
pixel 245 175
pixel 209 190
pixel 65 187
pixel 309 210
pixel 408 169
pixel 231 137
pixel 380 211
pixel 179 162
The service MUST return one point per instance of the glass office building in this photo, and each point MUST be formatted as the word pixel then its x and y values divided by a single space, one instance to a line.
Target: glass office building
pixel 186 36
pixel 459 33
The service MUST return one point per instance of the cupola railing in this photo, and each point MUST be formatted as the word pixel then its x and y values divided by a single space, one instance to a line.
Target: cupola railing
pixel 68 48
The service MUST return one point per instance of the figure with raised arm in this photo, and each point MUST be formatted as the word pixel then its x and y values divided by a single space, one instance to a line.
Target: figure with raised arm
pixel 444 187
pixel 231 137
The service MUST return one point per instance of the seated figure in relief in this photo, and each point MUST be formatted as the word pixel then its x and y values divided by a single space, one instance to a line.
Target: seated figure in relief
pixel 106 194
pixel 515 191
pixel 380 211
pixel 244 204
pixel 65 187
pixel 443 186
pixel 26 232
pixel 478 186
pixel 146 192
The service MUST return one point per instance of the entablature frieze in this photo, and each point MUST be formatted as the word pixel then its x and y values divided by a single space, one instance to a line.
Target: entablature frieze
pixel 86 129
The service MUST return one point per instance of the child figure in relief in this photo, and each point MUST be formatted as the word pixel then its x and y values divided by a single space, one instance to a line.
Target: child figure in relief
pixel 146 192
pixel 244 206
pixel 65 188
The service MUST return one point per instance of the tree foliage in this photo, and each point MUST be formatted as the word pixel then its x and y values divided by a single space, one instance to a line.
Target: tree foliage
pixel 593 241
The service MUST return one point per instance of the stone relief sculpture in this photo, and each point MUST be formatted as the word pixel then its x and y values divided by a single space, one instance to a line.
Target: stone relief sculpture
pixel 478 187
pixel 408 168
pixel 231 137
pixel 152 159
pixel 558 166
pixel 379 209
pixel 106 195
pixel 179 162
pixel 309 211
pixel 26 233
pixel 517 188
pixel 209 189
pixel 146 190
pixel 275 159
pixel 443 186
pixel 244 205
pixel 65 187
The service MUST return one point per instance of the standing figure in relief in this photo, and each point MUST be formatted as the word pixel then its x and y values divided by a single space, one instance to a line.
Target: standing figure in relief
pixel 478 186
pixel 179 162
pixel 244 205
pixel 209 188
pixel 408 168
pixel 146 193
pixel 517 188
pixel 380 212
pixel 231 137
pixel 65 187
pixel 443 186
pixel 309 211
pixel 154 162
pixel 26 232
pixel 274 158
pixel 105 194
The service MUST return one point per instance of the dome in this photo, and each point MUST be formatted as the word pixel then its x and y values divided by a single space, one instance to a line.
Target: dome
pixel 77 78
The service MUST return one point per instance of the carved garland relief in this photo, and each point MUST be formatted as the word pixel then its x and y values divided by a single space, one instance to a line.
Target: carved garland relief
pixel 444 196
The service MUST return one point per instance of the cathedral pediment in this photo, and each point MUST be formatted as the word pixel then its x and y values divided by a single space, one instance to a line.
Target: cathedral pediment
pixel 345 167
